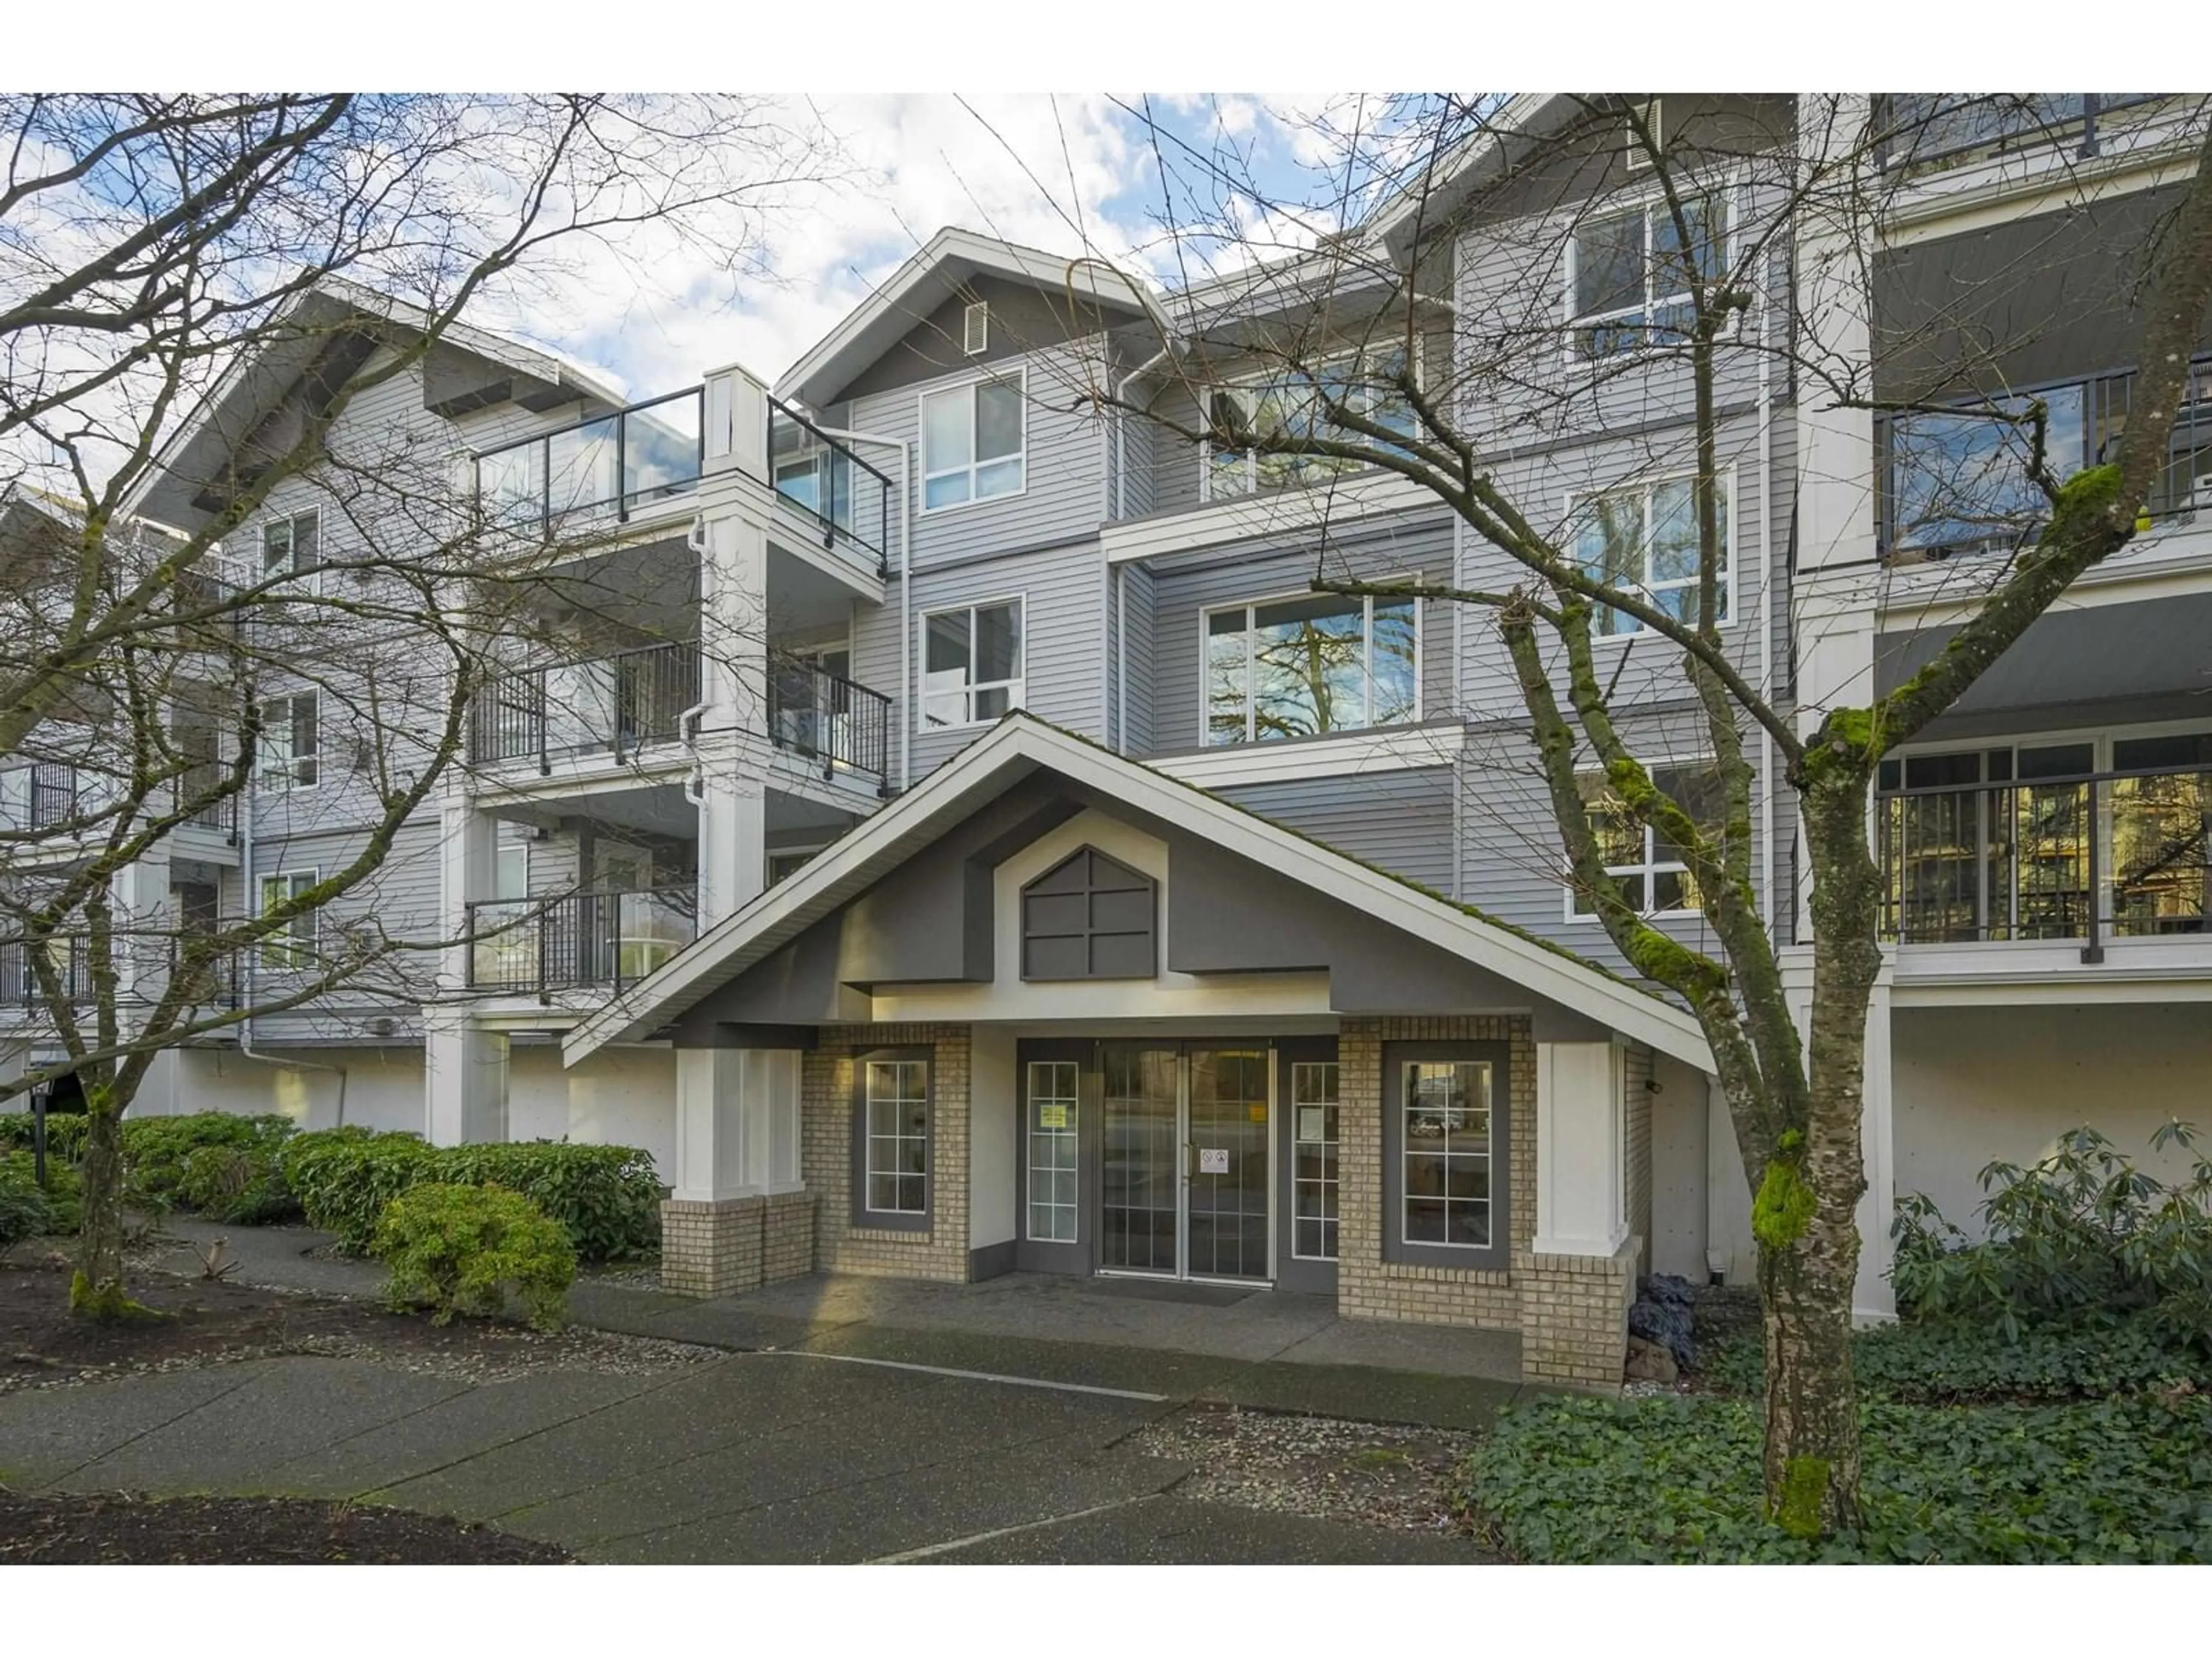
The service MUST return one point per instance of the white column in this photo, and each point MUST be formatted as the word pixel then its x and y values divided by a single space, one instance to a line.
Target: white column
pixel 467 846
pixel 736 1123
pixel 1835 447
pixel 1581 1150
pixel 733 636
pixel 465 1080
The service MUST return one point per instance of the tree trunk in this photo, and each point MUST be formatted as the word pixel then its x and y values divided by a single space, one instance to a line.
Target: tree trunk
pixel 97 1291
pixel 1812 1454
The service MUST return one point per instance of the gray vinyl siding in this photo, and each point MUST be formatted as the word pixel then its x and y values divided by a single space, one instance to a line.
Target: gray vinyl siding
pixel 1137 713
pixel 1185 588
pixel 1063 634
pixel 1064 494
pixel 1401 820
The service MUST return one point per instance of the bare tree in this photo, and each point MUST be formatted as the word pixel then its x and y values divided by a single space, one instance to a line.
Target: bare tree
pixel 158 255
pixel 1416 329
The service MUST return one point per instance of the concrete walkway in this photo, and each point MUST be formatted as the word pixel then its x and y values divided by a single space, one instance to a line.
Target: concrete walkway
pixel 1263 1349
pixel 850 1424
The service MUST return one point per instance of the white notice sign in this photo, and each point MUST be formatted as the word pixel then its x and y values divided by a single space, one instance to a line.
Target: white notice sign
pixel 1213 1160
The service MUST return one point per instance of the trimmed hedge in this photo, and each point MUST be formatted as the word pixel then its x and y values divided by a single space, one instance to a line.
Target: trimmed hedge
pixel 461 1248
pixel 607 1199
pixel 65 1132
pixel 155 1150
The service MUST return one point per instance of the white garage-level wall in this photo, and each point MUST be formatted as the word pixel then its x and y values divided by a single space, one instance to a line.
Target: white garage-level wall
pixel 382 1087
pixel 1973 1084
pixel 619 1098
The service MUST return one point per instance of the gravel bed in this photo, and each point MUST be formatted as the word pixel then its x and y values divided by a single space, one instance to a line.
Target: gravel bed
pixel 1376 1474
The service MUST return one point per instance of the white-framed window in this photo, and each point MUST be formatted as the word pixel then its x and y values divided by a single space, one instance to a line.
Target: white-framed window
pixel 971 663
pixel 1643 540
pixel 784 863
pixel 293 945
pixel 1314 1096
pixel 976 329
pixel 1054 1153
pixel 291 546
pixel 1446 1152
pixel 1321 662
pixel 1283 400
pixel 974 438
pixel 895 1159
pixel 1629 272
pixel 1646 868
pixel 288 754
pixel 510 877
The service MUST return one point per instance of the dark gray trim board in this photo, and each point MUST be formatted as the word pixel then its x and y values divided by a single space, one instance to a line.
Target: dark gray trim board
pixel 989 1260
pixel 1496 1256
pixel 1312 1277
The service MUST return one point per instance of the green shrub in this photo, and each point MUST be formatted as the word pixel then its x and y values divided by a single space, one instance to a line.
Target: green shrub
pixel 65 1132
pixel 157 1149
pixel 1674 1478
pixel 606 1198
pixel 465 1250
pixel 62 1195
pixel 344 1177
pixel 2083 1239
pixel 240 1186
pixel 24 1211
pixel 1950 1361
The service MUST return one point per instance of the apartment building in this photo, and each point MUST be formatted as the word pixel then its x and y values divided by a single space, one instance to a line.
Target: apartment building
pixel 900 816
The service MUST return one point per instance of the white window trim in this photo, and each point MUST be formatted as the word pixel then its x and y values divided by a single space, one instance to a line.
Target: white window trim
pixel 1251 490
pixel 771 855
pixel 283 777
pixel 928 1139
pixel 1017 688
pixel 1653 114
pixel 1019 374
pixel 976 311
pixel 296 947
pixel 1335 1180
pixel 1406 1154
pixel 1651 866
pixel 313 583
pixel 1729 189
pixel 1577 499
pixel 1250 741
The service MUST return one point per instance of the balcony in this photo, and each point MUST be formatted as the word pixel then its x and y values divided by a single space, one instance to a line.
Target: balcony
pixel 614 705
pixel 217 984
pixel 42 795
pixel 2086 857
pixel 1934 132
pixel 1958 483
pixel 821 717
pixel 608 469
pixel 847 501
pixel 581 941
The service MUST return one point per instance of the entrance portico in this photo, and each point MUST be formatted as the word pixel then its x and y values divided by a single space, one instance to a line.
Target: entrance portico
pixel 1053 1011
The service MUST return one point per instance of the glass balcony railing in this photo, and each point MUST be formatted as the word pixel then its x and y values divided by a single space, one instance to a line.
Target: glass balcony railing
pixel 578 941
pixel 1959 482
pixel 2089 856
pixel 848 499
pixel 1936 130
pixel 617 705
pixel 556 484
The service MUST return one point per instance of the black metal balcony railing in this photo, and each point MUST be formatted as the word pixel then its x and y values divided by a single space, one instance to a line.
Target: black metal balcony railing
pixel 827 718
pixel 19 980
pixel 41 795
pixel 849 499
pixel 556 481
pixel 216 983
pixel 1939 129
pixel 2088 857
pixel 619 704
pixel 578 941
pixel 1959 483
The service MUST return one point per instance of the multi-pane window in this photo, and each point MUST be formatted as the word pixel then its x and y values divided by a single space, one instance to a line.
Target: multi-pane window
pixel 1296 405
pixel 1323 663
pixel 972 440
pixel 1959 482
pixel 1313 1187
pixel 1642 865
pixel 292 946
pixel 895 1171
pixel 287 754
pixel 1052 1159
pixel 971 663
pixel 1446 1151
pixel 290 547
pixel 2162 833
pixel 1633 273
pixel 1643 542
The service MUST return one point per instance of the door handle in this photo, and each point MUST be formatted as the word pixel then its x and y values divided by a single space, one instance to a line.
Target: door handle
pixel 1189 1159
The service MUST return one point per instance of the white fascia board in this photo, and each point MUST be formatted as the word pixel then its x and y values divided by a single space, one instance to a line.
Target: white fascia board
pixel 1386 748
pixel 843 870
pixel 1332 506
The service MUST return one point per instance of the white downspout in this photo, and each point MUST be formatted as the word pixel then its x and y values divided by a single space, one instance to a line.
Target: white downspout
pixel 687 723
pixel 1121 660
pixel 1767 609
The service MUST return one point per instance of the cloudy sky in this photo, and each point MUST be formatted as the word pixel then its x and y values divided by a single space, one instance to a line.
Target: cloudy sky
pixel 1067 174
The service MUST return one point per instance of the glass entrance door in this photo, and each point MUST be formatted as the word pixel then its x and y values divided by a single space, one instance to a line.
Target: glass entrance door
pixel 1184 1177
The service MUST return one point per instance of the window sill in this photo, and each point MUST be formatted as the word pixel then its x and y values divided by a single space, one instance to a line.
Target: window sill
pixel 1384 748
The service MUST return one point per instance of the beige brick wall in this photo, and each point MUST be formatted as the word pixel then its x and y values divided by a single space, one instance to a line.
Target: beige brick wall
pixel 1368 1287
pixel 721 1246
pixel 1638 1151
pixel 826 1154
pixel 1574 1325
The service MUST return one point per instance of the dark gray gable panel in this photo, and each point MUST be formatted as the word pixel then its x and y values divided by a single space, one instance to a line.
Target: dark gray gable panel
pixel 1090 917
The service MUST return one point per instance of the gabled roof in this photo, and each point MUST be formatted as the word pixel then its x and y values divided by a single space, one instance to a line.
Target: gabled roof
pixel 951 260
pixel 1021 745
pixel 255 381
